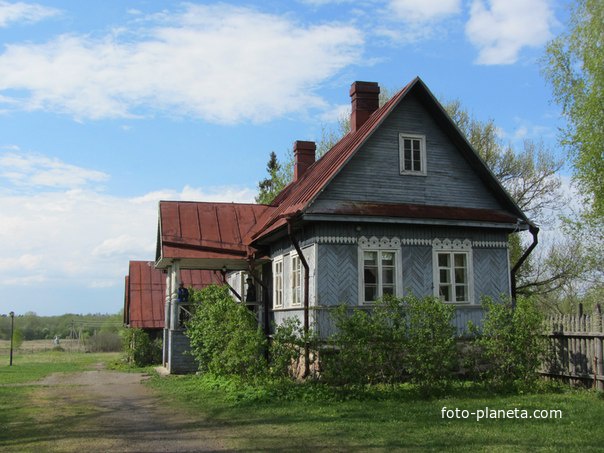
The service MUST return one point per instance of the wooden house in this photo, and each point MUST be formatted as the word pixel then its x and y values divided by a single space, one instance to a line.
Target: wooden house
pixel 401 204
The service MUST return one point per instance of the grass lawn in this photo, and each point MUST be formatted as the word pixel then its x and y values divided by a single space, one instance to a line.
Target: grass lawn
pixel 402 420
pixel 20 411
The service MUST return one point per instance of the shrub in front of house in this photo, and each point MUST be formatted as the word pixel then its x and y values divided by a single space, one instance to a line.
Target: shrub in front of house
pixel 398 339
pixel 224 335
pixel 139 349
pixel 368 346
pixel 510 343
pixel 431 342
pixel 287 348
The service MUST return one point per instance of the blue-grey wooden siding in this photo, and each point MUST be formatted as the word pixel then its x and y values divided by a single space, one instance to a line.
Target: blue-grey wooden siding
pixel 490 277
pixel 373 174
pixel 417 270
pixel 337 274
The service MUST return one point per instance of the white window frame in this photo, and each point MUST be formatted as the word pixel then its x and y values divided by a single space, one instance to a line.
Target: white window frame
pixel 374 244
pixel 452 248
pixel 278 283
pixel 422 149
pixel 293 287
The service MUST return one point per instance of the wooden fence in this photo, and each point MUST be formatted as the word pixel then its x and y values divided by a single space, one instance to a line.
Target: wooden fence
pixel 575 348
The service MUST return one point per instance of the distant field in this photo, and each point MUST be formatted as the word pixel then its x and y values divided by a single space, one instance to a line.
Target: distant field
pixel 30 347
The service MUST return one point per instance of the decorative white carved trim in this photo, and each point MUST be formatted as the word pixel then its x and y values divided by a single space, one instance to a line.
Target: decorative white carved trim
pixel 336 240
pixel 455 244
pixel 491 244
pixel 383 243
pixel 416 241
pixel 395 242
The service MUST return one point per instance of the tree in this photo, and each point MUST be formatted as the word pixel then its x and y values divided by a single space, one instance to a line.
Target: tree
pixel 270 187
pixel 574 65
pixel 530 175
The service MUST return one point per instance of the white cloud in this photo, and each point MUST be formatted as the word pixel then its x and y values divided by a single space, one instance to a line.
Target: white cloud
pixel 80 236
pixel 413 11
pixel 336 113
pixel 221 63
pixel 28 169
pixel 502 28
pixel 27 261
pixel 526 129
pixel 24 12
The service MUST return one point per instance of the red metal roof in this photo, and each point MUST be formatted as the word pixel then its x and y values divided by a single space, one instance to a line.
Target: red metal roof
pixel 202 230
pixel 145 292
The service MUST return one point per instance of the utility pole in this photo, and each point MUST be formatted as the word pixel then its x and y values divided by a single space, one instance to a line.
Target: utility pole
pixel 12 330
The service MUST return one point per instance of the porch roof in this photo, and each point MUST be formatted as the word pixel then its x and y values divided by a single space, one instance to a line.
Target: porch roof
pixel 145 292
pixel 205 235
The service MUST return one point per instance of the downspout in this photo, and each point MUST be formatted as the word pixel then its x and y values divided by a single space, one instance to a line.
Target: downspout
pixel 296 244
pixel 535 232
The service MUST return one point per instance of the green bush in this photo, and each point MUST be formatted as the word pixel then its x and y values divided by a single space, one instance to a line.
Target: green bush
pixel 140 349
pixel 225 336
pixel 368 347
pixel 511 344
pixel 431 345
pixel 399 339
pixel 287 347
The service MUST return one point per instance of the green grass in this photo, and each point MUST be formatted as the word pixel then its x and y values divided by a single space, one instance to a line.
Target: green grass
pixel 32 367
pixel 20 408
pixel 398 419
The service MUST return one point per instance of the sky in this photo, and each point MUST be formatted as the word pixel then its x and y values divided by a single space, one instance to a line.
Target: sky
pixel 108 106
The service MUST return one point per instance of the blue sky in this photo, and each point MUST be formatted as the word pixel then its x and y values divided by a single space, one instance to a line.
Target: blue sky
pixel 108 106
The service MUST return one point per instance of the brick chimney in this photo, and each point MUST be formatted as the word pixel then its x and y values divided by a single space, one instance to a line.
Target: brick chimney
pixel 365 100
pixel 304 157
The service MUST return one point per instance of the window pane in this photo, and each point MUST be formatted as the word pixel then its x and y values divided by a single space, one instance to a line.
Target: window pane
pixel 460 260
pixel 445 292
pixel 370 293
pixel 443 260
pixel 387 259
pixel 370 258
pixel 388 276
pixel 460 275
pixel 460 293
pixel 444 276
pixel 371 275
pixel 388 290
pixel 416 156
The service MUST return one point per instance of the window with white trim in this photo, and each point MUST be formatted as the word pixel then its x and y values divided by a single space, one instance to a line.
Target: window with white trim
pixel 278 284
pixel 379 274
pixel 296 280
pixel 412 151
pixel 453 271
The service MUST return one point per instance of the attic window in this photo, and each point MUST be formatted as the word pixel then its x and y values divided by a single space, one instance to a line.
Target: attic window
pixel 412 151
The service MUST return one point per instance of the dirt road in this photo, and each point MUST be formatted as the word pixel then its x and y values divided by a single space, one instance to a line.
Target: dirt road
pixel 109 411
